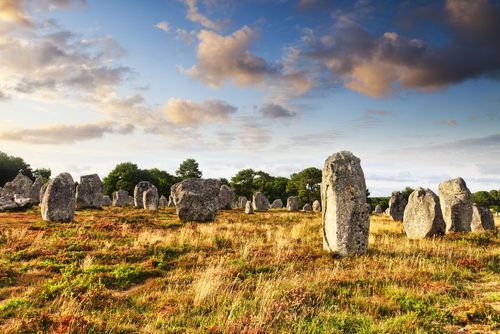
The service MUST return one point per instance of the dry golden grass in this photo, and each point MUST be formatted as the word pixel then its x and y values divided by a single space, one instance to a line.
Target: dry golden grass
pixel 123 270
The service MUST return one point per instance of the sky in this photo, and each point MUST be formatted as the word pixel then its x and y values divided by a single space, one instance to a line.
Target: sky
pixel 410 87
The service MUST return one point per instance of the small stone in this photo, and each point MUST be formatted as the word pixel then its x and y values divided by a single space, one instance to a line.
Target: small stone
pixel 397 204
pixel 260 202
pixel 242 202
pixel 35 190
pixel 106 201
pixel 277 204
pixel 58 202
pixel 423 217
pixel 22 202
pixel 196 199
pixel 7 204
pixel 163 202
pixel 226 197
pixel 121 198
pixel 316 206
pixel 482 219
pixel 139 189
pixel 150 199
pixel 456 204
pixel 248 208
pixel 42 192
pixel 292 203
pixel 307 207
pixel 89 192
pixel 378 209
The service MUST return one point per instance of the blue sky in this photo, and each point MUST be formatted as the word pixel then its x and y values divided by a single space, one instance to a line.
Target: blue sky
pixel 410 87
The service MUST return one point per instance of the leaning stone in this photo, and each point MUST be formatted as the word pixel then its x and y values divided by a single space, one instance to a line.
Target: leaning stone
pixel 21 186
pixel 378 209
pixel 260 202
pixel 163 202
pixel 423 217
pixel 397 204
pixel 150 199
pixel 292 204
pixel 346 218
pixel 35 190
pixel 316 206
pixel 226 197
pixel 248 208
pixel 242 202
pixel 307 207
pixel 58 202
pixel 121 198
pixel 139 189
pixel 7 204
pixel 196 199
pixel 277 204
pixel 482 219
pixel 89 192
pixel 456 204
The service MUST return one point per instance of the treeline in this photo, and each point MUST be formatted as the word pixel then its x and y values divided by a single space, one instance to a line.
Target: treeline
pixel 10 166
pixel 488 198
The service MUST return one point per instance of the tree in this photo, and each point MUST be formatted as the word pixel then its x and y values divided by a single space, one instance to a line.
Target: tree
pixel 45 173
pixel 123 177
pixel 482 198
pixel 188 169
pixel 161 179
pixel 306 185
pixel 242 182
pixel 223 180
pixel 277 188
pixel 10 166
pixel 407 192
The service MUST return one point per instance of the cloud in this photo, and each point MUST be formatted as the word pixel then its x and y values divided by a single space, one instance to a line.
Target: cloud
pixel 58 134
pixel 253 135
pixel 371 118
pixel 448 122
pixel 3 96
pixel 194 15
pixel 15 11
pixel 163 26
pixel 271 110
pixel 187 112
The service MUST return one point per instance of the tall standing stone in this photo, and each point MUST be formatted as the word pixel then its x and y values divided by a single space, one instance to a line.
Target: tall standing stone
pixel 260 202
pixel 89 192
pixel 35 190
pixel 292 203
pixel 226 197
pixel 277 204
pixel 346 218
pixel 456 204
pixel 121 198
pixel 242 202
pixel 58 202
pixel 139 189
pixel 423 217
pixel 150 199
pixel 248 208
pixel 196 199
pixel 316 206
pixel 482 219
pixel 397 204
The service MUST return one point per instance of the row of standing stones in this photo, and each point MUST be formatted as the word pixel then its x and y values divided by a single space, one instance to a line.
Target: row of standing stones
pixel 345 212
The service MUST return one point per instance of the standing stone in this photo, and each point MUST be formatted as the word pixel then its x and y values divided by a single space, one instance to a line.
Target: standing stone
pixel 307 207
pixel 482 219
pixel 386 212
pixel 292 204
pixel 277 204
pixel 378 209
pixel 150 199
pixel 456 204
pixel 242 202
pixel 42 191
pixel 106 201
pixel 130 200
pixel 316 206
pixel 346 218
pixel 226 197
pixel 397 204
pixel 20 186
pixel 163 202
pixel 121 198
pixel 196 199
pixel 171 202
pixel 89 192
pixel 139 189
pixel 58 202
pixel 35 190
pixel 260 202
pixel 248 208
pixel 423 217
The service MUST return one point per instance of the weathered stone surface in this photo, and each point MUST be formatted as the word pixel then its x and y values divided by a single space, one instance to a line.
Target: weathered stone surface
pixel 58 203
pixel 22 202
pixel 248 208
pixel 346 218
pixel 21 186
pixel 307 207
pixel 89 192
pixel 378 209
pixel 277 204
pixel 456 205
pixel 242 202
pixel 1 192
pixel 163 202
pixel 260 202
pixel 226 197
pixel 316 206
pixel 130 200
pixel 42 191
pixel 150 199
pixel 196 199
pixel 171 202
pixel 292 203
pixel 35 190
pixel 106 201
pixel 397 204
pixel 482 219
pixel 423 217
pixel 7 204
pixel 386 212
pixel 121 198
pixel 139 189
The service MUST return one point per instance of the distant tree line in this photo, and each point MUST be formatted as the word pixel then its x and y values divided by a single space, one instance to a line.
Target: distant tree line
pixel 10 166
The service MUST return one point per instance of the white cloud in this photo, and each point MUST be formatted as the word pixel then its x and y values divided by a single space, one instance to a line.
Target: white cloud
pixel 163 26
pixel 187 112
pixel 194 15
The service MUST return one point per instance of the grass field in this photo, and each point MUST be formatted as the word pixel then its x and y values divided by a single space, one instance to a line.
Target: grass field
pixel 128 271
